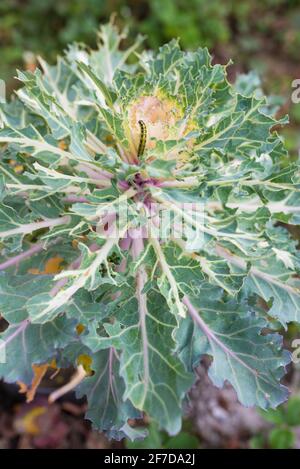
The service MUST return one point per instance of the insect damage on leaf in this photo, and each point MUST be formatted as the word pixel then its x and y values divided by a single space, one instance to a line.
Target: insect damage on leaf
pixel 145 232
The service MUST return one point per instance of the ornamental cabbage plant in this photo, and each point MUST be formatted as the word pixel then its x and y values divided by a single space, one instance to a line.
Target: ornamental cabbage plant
pixel 144 203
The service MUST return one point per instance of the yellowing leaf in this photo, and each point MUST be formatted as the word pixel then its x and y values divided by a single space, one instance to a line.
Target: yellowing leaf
pixel 63 145
pixel 75 243
pixel 34 271
pixel 39 372
pixel 19 168
pixel 86 362
pixel 52 266
pixel 80 328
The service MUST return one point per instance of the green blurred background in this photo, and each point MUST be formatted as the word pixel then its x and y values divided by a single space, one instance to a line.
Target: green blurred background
pixel 263 35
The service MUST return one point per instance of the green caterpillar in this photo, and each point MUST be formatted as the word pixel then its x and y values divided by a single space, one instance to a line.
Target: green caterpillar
pixel 143 139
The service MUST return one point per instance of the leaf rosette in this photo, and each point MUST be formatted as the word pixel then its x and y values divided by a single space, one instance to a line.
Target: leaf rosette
pixel 142 225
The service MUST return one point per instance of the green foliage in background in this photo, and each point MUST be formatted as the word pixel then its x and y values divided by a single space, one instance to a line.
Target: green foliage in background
pixel 157 439
pixel 284 420
pixel 46 27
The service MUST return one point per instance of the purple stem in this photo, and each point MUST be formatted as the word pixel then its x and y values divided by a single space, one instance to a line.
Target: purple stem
pixel 95 174
pixel 30 227
pixel 72 199
pixel 137 246
pixel 20 257
pixel 30 252
pixel 59 284
pixel 124 185
pixel 138 234
pixel 107 224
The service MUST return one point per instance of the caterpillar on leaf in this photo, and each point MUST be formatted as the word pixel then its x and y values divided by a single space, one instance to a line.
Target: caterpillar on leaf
pixel 143 138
